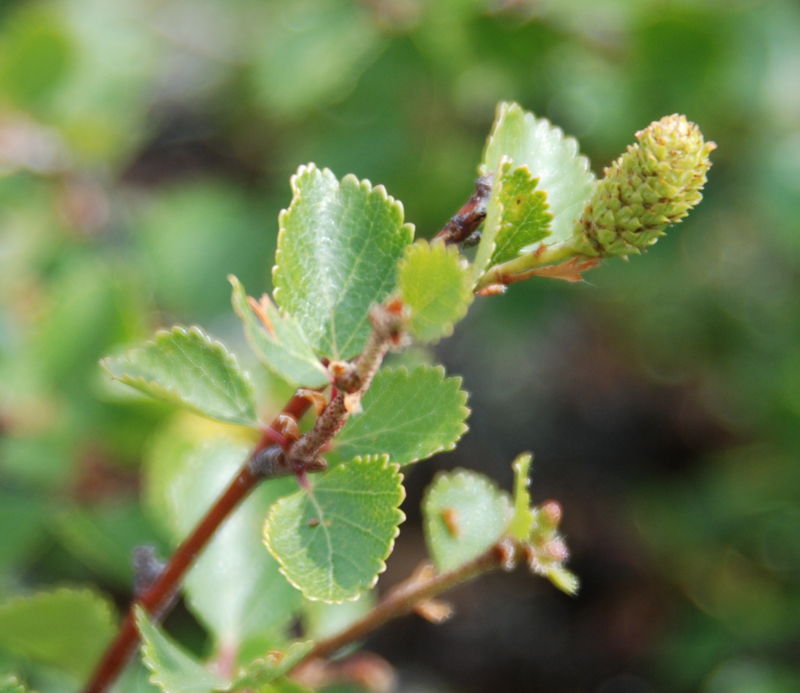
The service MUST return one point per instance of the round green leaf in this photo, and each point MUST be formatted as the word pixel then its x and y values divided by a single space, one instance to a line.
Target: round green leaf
pixel 408 416
pixel 332 539
pixel 464 515
pixel 435 287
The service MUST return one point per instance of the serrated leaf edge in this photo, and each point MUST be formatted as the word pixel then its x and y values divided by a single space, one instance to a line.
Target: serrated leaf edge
pixel 536 192
pixel 465 410
pixel 161 335
pixel 461 477
pixel 349 179
pixel 400 514
pixel 148 658
pixel 236 284
pixel 504 107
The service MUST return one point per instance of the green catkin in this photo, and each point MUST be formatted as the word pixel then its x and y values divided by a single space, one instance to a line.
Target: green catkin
pixel 653 185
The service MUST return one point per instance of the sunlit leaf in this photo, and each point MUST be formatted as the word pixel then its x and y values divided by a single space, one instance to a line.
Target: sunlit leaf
pixel 173 669
pixel 436 289
pixel 408 416
pixel 279 343
pixel 464 515
pixel 525 220
pixel 188 368
pixel 333 539
pixel 67 628
pixel 551 157
pixel 338 250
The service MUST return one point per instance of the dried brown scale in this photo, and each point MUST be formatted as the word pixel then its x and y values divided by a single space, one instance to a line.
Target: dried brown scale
pixel 468 219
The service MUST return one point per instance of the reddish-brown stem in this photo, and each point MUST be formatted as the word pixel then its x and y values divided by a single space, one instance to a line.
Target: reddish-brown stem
pixel 406 596
pixel 156 598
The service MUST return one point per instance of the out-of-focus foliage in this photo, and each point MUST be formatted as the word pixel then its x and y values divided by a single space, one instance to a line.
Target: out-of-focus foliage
pixel 145 151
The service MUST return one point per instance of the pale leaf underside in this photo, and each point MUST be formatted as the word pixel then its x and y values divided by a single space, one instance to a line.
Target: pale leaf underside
pixel 551 157
pixel 338 249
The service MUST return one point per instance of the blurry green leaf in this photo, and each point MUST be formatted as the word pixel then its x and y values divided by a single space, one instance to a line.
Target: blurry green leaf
pixel 284 349
pixel 464 515
pixel 333 539
pixel 174 670
pixel 323 620
pixel 66 628
pixel 435 287
pixel 287 685
pixel 338 249
pixel 272 665
pixel 312 53
pixel 234 587
pixel 564 175
pixel 35 56
pixel 525 219
pixel 83 317
pixel 21 525
pixel 408 416
pixel 197 233
pixel 104 536
pixel 10 684
pixel 522 522
pixel 188 368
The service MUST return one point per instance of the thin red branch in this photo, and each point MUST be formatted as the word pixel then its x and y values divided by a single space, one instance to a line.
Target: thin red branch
pixel 405 597
pixel 157 598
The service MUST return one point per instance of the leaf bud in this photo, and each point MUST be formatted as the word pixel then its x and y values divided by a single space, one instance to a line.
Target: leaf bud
pixel 550 514
pixel 654 184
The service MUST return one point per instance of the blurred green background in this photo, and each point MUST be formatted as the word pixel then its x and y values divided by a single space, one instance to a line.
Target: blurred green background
pixel 145 151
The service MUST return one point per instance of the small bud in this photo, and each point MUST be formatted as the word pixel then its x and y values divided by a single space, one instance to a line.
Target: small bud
pixel 269 463
pixel 434 610
pixel 556 550
pixel 653 185
pixel 550 514
pixel 146 568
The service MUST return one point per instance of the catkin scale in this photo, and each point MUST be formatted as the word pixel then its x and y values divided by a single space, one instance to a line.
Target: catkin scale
pixel 653 185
